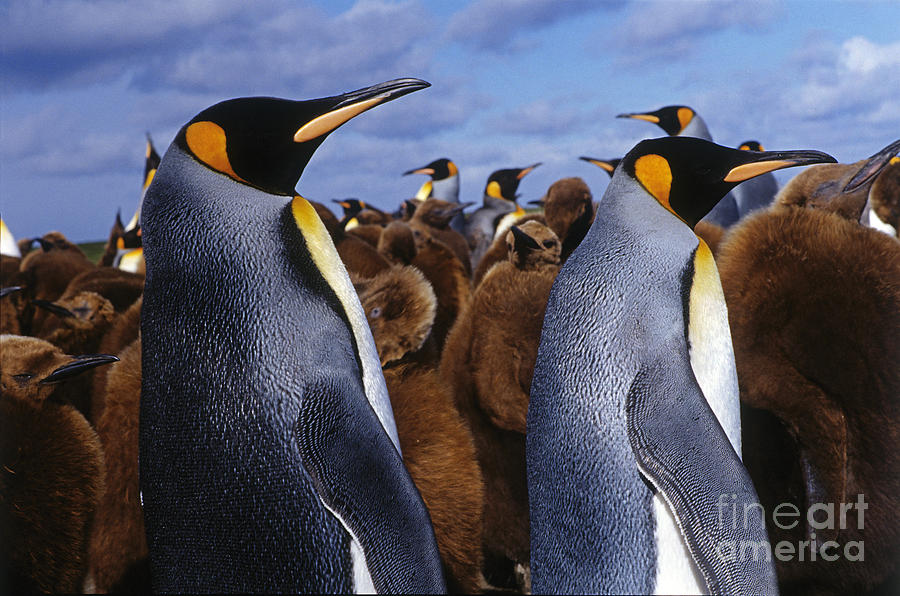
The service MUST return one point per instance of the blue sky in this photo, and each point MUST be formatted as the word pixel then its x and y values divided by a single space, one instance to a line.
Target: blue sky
pixel 513 82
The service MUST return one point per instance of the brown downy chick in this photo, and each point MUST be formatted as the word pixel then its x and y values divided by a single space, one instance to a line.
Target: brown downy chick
pixel 569 211
pixel 371 233
pixel 118 546
pixel 124 330
pixel 10 307
pixel 433 217
pixel 499 251
pixel 711 233
pixel 814 309
pixel 358 256
pixel 9 269
pixel 838 188
pixel 437 446
pixel 121 288
pixel 884 199
pixel 52 468
pixel 449 278
pixel 488 362
pixel 397 243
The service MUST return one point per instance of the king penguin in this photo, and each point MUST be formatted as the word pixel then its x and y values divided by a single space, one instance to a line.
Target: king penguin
pixel 756 193
pixel 269 457
pixel 633 429
pixel 444 185
pixel 682 121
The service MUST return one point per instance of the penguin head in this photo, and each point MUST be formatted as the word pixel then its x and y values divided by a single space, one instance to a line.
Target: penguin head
pixel 32 367
pixel 672 119
pixel 503 184
pixel 533 245
pixel 607 165
pixel 83 309
pixel 56 241
pixel 151 162
pixel 437 213
pixel 439 169
pixel 688 176
pixel 839 188
pixel 351 207
pixel 266 142
pixel 400 306
pixel 751 146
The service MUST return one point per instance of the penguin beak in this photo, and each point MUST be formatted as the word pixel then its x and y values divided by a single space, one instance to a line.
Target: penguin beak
pixel 647 117
pixel 760 162
pixel 523 241
pixel 60 311
pixel 452 211
pixel 46 245
pixel 600 163
pixel 539 202
pixel 77 366
pixel 527 170
pixel 354 103
pixel 343 204
pixel 427 171
pixel 870 170
pixel 9 290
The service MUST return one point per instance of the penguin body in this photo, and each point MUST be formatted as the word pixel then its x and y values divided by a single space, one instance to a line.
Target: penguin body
pixel 631 443
pixel 434 218
pixel 569 211
pixel 499 251
pixel 756 193
pixel 269 457
pixel 683 121
pixel 444 185
pixel 8 246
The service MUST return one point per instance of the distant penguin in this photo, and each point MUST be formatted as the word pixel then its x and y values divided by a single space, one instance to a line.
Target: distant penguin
pixel 444 185
pixel 449 278
pixel 607 165
pixel 682 121
pixel 269 458
pixel 434 218
pixel 397 243
pixel 52 469
pixel 488 362
pixel 569 211
pixel 357 212
pixel 884 200
pixel 151 164
pixel 357 255
pixel 499 250
pixel 8 244
pixel 499 199
pixel 9 312
pixel 756 193
pixel 634 425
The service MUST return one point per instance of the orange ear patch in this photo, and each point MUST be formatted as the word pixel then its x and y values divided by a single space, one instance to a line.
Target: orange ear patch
pixel 654 174
pixel 207 142
pixel 493 190
pixel 685 115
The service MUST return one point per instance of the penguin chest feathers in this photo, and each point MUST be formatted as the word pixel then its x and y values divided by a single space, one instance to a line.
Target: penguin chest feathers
pixel 710 349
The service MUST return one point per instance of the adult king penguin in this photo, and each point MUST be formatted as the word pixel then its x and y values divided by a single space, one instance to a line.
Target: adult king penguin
pixel 444 185
pixel 633 431
pixel 269 457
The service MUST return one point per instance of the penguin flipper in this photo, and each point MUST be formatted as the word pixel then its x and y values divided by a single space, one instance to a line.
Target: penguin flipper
pixel 361 478
pixel 681 448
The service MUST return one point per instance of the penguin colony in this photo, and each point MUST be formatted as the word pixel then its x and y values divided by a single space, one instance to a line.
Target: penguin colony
pixel 248 392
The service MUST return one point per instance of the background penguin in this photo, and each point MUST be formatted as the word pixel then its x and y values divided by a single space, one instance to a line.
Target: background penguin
pixel 632 442
pixel 499 250
pixel 52 468
pixel 449 278
pixel 110 251
pixel 269 458
pixel 499 200
pixel 884 200
pixel 397 243
pixel 433 218
pixel 488 362
pixel 607 165
pixel 151 164
pixel 756 193
pixel 362 212
pixel 357 255
pixel 682 121
pixel 569 211
pixel 814 309
pixel 444 186
pixel 9 313
pixel 8 246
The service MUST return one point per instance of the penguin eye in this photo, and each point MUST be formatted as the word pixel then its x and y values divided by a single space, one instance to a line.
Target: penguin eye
pixel 23 378
pixel 549 243
pixel 375 312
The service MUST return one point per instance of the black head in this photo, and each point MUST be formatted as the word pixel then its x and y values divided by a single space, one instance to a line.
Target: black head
pixel 672 119
pixel 439 169
pixel 351 207
pixel 151 162
pixel 751 146
pixel 266 142
pixel 503 184
pixel 607 165
pixel 688 176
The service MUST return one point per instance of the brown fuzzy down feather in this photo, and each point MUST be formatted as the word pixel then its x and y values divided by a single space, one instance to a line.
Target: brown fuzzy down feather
pixel 498 251
pixel 121 288
pixel 488 362
pixel 399 305
pixel 711 233
pixel 368 232
pixel 451 284
pixel 569 212
pixel 358 256
pixel 397 243
pixel 432 217
pixel 81 333
pixel 9 270
pixel 124 330
pixel 820 186
pixel 885 195
pixel 52 473
pixel 814 308
pixel 118 542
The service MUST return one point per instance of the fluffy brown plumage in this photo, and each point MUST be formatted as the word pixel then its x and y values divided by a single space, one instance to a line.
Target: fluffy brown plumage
pixel 358 256
pixel 449 279
pixel 814 308
pixel 499 251
pixel 118 544
pixel 52 469
pixel 432 217
pixel 569 212
pixel 488 362
pixel 711 233
pixel 437 446
pixel 368 232
pixel 121 288
pixel 397 243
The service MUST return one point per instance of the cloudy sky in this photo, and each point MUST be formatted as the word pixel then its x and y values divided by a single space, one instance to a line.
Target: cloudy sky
pixel 513 82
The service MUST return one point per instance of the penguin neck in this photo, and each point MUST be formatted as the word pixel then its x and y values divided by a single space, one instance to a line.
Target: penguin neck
pixel 498 205
pixel 696 128
pixel 446 189
pixel 709 341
